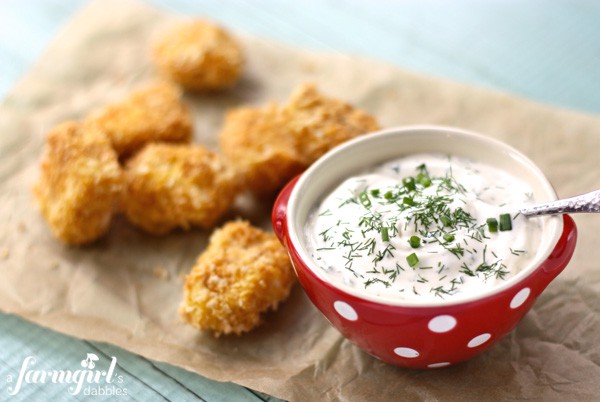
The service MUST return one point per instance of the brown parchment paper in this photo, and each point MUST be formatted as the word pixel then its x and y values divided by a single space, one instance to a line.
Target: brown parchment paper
pixel 111 291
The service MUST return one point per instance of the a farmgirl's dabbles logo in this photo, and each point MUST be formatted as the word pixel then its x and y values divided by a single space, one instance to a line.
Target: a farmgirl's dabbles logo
pixel 87 380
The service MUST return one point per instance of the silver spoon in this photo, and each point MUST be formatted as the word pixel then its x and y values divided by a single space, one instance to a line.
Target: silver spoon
pixel 589 202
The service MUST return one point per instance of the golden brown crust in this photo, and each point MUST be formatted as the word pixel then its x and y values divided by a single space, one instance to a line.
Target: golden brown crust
pixel 243 272
pixel 152 114
pixel 320 123
pixel 174 185
pixel 257 145
pixel 80 183
pixel 199 55
pixel 272 144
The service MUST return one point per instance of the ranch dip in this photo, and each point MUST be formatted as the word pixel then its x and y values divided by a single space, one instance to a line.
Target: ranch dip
pixel 424 227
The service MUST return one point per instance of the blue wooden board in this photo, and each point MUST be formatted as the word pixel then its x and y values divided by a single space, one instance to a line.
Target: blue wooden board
pixel 547 51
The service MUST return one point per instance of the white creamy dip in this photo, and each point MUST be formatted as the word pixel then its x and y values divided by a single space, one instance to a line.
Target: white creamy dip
pixel 417 228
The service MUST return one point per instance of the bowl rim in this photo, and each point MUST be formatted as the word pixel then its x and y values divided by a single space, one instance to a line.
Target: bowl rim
pixel 293 235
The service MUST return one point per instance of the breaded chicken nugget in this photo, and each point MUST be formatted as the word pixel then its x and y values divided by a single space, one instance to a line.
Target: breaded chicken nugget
pixel 175 185
pixel 151 114
pixel 270 145
pixel 243 272
pixel 199 55
pixel 80 183
pixel 320 123
pixel 257 144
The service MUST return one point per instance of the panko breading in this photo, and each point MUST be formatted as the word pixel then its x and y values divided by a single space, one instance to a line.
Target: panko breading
pixel 320 123
pixel 199 55
pixel 243 272
pixel 80 183
pixel 256 143
pixel 272 144
pixel 175 185
pixel 151 114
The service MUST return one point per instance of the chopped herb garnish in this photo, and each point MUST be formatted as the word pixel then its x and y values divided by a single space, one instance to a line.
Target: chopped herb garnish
pixel 351 200
pixel 517 252
pixel 408 201
pixel 384 234
pixel 458 250
pixel 492 224
pixel 324 235
pixel 364 199
pixel 414 241
pixel 505 222
pixel 422 169
pixel 412 260
pixel 446 220
pixel 409 183
pixel 448 237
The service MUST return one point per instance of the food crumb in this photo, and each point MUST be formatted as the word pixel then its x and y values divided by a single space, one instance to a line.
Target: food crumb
pixel 21 227
pixel 54 265
pixel 160 273
pixel 5 253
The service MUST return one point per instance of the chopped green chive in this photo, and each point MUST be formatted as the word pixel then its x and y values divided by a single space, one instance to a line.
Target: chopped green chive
pixel 385 236
pixel 492 224
pixel 364 199
pixel 375 193
pixel 446 220
pixel 414 241
pixel 408 201
pixel 389 195
pixel 409 183
pixel 505 222
pixel 412 259
pixel 423 180
pixel 448 237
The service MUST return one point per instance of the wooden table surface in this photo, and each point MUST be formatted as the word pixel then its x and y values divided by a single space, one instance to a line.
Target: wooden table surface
pixel 547 51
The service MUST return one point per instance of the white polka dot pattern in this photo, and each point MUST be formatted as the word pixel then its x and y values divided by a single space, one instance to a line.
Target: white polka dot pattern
pixel 437 365
pixel 439 324
pixel 345 310
pixel 479 340
pixel 442 323
pixel 520 298
pixel 406 352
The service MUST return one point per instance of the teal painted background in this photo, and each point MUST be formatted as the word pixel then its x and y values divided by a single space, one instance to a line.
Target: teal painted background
pixel 547 51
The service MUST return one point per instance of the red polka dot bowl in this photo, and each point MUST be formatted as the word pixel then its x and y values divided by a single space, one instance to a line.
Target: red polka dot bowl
pixel 420 334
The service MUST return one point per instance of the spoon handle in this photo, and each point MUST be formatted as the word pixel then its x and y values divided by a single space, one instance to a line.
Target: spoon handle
pixel 589 202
